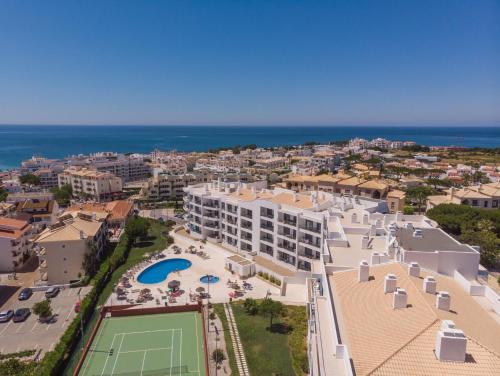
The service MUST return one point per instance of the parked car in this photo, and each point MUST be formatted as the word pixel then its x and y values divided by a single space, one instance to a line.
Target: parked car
pixel 21 314
pixel 25 294
pixel 5 316
pixel 52 292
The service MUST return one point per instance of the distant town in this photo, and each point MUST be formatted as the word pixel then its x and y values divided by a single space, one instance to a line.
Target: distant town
pixel 342 243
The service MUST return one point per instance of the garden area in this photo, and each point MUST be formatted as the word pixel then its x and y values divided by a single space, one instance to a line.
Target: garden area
pixel 273 335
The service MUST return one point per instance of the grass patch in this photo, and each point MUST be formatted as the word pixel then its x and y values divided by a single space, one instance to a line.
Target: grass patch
pixel 282 351
pixel 155 241
pixel 219 311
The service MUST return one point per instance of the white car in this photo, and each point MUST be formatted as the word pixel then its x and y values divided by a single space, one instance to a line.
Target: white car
pixel 5 316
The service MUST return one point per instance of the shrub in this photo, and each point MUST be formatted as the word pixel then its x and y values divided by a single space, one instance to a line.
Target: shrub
pixel 218 356
pixel 266 276
pixel 271 279
pixel 212 316
pixel 259 273
pixel 42 309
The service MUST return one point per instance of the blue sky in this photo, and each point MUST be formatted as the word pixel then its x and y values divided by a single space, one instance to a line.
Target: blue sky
pixel 250 62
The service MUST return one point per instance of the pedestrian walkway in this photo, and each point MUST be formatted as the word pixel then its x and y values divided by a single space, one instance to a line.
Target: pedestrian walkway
pixel 241 361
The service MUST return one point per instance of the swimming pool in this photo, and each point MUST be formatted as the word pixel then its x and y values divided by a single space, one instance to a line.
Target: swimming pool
pixel 209 279
pixel 159 272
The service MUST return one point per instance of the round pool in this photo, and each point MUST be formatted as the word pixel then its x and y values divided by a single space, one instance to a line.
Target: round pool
pixel 209 279
pixel 159 272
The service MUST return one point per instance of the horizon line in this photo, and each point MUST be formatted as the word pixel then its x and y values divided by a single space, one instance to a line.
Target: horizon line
pixel 459 124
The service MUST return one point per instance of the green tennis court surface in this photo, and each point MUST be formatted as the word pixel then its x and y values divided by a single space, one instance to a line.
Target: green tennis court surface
pixel 149 345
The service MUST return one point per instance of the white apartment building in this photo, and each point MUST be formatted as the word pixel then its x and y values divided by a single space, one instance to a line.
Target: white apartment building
pixel 127 167
pixel 99 186
pixel 278 225
pixel 15 246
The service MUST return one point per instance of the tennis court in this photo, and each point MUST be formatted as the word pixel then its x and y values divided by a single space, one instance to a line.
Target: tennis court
pixel 148 345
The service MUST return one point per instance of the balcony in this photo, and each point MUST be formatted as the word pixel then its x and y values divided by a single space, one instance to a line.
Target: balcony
pixel 267 226
pixel 307 255
pixel 246 214
pixel 288 247
pixel 287 235
pixel 268 239
pixel 246 225
pixel 312 242
pixel 267 214
pixel 289 222
pixel 316 229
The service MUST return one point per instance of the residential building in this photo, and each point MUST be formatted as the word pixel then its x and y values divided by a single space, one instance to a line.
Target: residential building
pixel 62 247
pixel 396 201
pixel 171 187
pixel 99 186
pixel 484 196
pixel 39 214
pixel 49 176
pixel 15 245
pixel 281 226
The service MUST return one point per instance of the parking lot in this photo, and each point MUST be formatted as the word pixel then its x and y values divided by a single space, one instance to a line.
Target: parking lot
pixel 32 334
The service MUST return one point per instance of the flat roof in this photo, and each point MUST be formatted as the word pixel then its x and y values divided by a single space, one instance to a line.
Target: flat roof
pixel 385 341
pixel 433 239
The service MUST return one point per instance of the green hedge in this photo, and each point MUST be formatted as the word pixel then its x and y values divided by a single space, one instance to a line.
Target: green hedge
pixel 53 362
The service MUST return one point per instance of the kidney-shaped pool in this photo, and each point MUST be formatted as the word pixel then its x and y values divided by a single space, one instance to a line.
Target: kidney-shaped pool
pixel 159 272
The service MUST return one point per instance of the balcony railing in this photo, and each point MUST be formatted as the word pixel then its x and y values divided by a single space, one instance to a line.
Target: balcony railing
pixel 267 215
pixel 310 242
pixel 289 222
pixel 266 227
pixel 312 228
pixel 288 247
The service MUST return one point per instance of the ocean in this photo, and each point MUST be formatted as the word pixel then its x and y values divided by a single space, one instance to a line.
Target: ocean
pixel 22 142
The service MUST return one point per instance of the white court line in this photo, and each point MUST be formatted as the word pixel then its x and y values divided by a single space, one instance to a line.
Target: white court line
pixel 117 355
pixel 197 344
pixel 107 357
pixel 143 359
pixel 101 329
pixel 146 331
pixel 172 352
pixel 155 349
pixel 180 355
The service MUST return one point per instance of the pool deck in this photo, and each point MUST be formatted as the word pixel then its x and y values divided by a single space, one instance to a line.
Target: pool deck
pixel 190 279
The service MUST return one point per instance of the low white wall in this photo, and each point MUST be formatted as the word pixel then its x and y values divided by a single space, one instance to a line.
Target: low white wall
pixel 493 298
pixel 470 286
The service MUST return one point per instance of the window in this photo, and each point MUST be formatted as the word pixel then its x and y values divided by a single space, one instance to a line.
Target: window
pixel 486 204
pixel 494 204
pixel 474 202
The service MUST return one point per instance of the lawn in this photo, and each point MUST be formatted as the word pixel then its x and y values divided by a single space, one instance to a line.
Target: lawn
pixel 279 352
pixel 219 311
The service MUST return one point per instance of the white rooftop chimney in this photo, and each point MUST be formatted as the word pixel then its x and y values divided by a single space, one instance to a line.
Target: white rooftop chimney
pixel 365 219
pixel 409 226
pixel 378 223
pixel 375 258
pixel 390 282
pixel 443 300
pixel 430 285
pixel 451 343
pixel 364 242
pixel 354 218
pixel 414 269
pixel 363 271
pixel 400 299
pixel 418 233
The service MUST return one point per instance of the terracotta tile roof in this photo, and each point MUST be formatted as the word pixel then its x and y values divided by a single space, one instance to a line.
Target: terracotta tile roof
pixel 416 359
pixel 396 193
pixel 401 342
pixel 13 228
